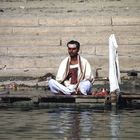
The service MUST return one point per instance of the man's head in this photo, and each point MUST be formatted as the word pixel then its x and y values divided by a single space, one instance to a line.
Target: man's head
pixel 73 48
pixel 73 44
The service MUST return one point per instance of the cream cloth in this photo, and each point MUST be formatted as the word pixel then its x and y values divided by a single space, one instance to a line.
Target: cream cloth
pixel 84 70
pixel 114 71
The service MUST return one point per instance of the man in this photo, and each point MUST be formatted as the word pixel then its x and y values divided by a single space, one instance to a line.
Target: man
pixel 74 74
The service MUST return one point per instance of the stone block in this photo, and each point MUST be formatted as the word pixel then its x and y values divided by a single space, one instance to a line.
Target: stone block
pixel 88 39
pixel 12 62
pixel 37 51
pixel 133 30
pixel 37 72
pixel 7 4
pixel 129 62
pixel 62 31
pixel 31 31
pixel 28 41
pixel 97 61
pixel 126 20
pixel 129 50
pixel 127 39
pixel 88 50
pixel 125 50
pixel 3 51
pixel 102 50
pixel 6 30
pixel 18 21
pixel 34 72
pixel 74 21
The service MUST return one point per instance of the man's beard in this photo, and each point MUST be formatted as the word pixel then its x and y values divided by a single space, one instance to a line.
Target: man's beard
pixel 73 54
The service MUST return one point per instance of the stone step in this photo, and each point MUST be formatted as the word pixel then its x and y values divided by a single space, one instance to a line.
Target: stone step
pixel 30 61
pixel 122 39
pixel 54 21
pixel 55 7
pixel 75 21
pixel 108 2
pixel 28 41
pixel 126 62
pixel 33 66
pixel 123 50
pixel 45 30
pixel 39 66
pixel 71 3
pixel 118 20
pixel 37 72
pixel 8 21
pixel 76 30
pixel 54 61
pixel 56 40
pixel 41 62
pixel 27 72
pixel 39 51
pixel 132 30
pixel 64 21
pixel 33 51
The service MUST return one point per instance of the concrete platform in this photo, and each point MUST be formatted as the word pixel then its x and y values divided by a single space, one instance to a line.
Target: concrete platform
pixel 21 99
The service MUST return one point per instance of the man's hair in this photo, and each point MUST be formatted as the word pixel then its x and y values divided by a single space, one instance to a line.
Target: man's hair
pixel 74 42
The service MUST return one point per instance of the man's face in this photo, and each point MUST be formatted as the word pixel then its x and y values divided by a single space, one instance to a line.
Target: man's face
pixel 72 50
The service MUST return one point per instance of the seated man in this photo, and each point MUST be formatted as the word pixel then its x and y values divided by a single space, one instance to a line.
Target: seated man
pixel 74 74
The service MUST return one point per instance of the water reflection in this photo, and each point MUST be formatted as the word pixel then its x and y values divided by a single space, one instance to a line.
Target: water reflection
pixel 68 124
pixel 115 126
pixel 79 125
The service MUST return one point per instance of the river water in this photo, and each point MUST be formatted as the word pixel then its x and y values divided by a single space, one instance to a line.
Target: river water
pixel 69 123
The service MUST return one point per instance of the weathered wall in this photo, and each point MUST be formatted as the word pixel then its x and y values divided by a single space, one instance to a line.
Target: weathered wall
pixel 34 33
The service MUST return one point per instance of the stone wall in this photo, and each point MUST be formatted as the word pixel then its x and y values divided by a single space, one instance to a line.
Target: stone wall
pixel 34 33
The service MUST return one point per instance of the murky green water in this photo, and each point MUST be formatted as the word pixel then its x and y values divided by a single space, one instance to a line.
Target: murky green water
pixel 69 124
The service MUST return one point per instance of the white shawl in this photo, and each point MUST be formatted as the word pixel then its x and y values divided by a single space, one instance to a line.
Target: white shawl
pixel 84 71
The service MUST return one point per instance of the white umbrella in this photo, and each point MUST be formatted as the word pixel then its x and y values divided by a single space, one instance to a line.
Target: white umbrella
pixel 114 71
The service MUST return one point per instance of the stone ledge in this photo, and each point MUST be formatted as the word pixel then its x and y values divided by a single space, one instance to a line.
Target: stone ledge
pixel 18 21
pixel 74 21
pixel 28 41
pixel 126 20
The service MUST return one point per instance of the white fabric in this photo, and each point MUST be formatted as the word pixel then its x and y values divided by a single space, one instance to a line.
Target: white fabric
pixel 85 77
pixel 84 70
pixel 55 87
pixel 74 66
pixel 114 71
pixel 85 87
pixel 72 46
